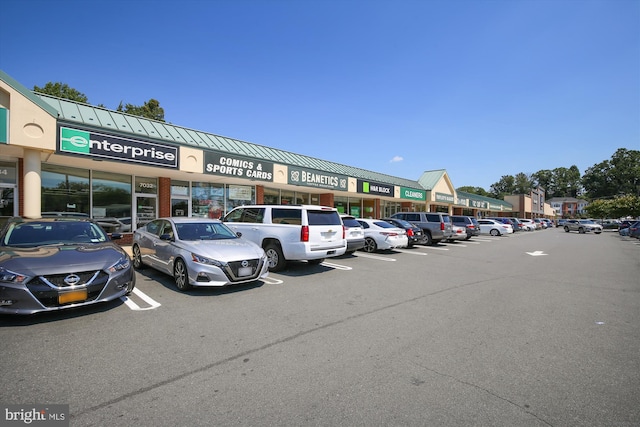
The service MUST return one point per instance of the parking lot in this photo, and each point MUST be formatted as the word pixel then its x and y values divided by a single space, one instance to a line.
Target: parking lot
pixel 532 329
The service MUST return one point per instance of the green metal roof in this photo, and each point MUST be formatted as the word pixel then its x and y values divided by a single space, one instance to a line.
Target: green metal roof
pixel 430 179
pixel 484 198
pixel 144 128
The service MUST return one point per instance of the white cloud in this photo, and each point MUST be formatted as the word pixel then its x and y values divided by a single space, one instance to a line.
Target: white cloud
pixel 396 159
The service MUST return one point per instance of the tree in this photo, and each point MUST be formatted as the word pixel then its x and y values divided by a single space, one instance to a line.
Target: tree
pixel 62 90
pixel 474 190
pixel 523 183
pixel 505 186
pixel 618 207
pixel 618 176
pixel 150 109
pixel 544 179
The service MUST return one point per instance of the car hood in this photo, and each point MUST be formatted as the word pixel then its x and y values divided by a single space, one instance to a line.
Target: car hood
pixel 57 259
pixel 224 249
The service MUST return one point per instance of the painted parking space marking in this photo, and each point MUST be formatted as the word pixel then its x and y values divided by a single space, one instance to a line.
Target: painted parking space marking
pixel 272 281
pixel 455 244
pixel 436 248
pixel 336 266
pixel 411 252
pixel 146 298
pixel 380 258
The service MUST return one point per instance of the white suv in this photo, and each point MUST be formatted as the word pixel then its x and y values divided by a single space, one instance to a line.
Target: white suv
pixel 290 232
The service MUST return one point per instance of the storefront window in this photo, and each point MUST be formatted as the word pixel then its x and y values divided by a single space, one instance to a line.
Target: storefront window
pixel 179 198
pixel 111 195
pixel 65 189
pixel 271 196
pixel 207 200
pixel 341 204
pixel 239 195
pixel 287 197
pixel 146 185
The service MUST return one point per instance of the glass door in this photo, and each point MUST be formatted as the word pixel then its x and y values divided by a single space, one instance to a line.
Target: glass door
pixel 7 203
pixel 145 210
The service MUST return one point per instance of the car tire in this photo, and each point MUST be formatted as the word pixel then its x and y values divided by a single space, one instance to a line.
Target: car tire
pixel 181 275
pixel 494 232
pixel 275 257
pixel 581 230
pixel 566 229
pixel 137 258
pixel 370 245
pixel 428 240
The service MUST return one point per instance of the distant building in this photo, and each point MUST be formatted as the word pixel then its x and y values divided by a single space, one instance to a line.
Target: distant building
pixel 568 206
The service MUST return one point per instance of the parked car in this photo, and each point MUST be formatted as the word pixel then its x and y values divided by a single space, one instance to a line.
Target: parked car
pixel 582 226
pixel 59 263
pixel 548 222
pixel 494 228
pixel 528 224
pixel 435 226
pixel 470 223
pixel 354 233
pixel 515 223
pixel 415 235
pixel 381 235
pixel 540 224
pixel 290 232
pixel 634 230
pixel 458 233
pixel 198 252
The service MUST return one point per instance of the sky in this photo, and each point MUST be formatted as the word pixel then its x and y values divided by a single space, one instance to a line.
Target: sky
pixel 480 88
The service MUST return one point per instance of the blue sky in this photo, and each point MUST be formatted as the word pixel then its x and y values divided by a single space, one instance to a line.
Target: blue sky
pixel 481 88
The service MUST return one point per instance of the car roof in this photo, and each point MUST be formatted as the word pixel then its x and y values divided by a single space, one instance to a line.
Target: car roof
pixel 189 219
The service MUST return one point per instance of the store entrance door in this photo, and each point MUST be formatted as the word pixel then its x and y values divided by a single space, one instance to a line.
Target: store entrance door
pixel 146 208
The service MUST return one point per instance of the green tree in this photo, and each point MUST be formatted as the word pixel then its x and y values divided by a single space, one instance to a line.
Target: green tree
pixel 150 110
pixel 474 190
pixel 62 90
pixel 618 176
pixel 505 186
pixel 523 183
pixel 544 178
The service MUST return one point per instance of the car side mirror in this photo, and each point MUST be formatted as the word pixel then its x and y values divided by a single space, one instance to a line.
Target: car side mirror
pixel 166 236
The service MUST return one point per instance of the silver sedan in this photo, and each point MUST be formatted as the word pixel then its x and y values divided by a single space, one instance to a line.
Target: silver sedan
pixel 198 252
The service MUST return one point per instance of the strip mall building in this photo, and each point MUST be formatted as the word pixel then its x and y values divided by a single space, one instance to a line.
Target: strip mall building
pixel 62 156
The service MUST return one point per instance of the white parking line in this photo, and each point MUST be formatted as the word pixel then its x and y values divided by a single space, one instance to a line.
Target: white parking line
pixel 146 298
pixel 336 266
pixel 455 244
pixel 381 258
pixel 436 248
pixel 411 252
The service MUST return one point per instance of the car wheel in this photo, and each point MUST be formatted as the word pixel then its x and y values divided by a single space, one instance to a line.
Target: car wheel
pixel 428 240
pixel 180 275
pixel 566 229
pixel 581 230
pixel 137 258
pixel 275 257
pixel 315 261
pixel 494 232
pixel 370 245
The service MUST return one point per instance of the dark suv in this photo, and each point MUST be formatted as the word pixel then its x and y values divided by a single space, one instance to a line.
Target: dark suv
pixel 470 223
pixel 435 225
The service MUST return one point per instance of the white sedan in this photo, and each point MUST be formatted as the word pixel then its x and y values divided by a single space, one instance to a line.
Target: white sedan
pixel 494 228
pixel 380 235
pixel 459 233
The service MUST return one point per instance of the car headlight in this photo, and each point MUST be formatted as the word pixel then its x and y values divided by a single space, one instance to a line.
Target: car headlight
pixel 123 264
pixel 204 260
pixel 10 276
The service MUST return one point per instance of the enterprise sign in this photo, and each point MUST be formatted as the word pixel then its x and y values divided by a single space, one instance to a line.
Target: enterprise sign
pixel 111 147
pixel 313 178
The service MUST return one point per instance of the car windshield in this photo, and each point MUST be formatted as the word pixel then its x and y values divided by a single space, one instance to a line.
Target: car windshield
pixel 204 231
pixel 40 233
pixel 384 224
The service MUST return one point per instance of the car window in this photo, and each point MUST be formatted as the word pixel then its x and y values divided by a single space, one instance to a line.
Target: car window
pixel 364 224
pixel 445 218
pixel 411 217
pixel 166 228
pixel 384 224
pixel 204 231
pixel 286 216
pixel 323 217
pixel 350 222
pixel 154 227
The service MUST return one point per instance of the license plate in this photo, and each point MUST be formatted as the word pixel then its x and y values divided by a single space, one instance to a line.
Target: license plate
pixel 73 296
pixel 244 271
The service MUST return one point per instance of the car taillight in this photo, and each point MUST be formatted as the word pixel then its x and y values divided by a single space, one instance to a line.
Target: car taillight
pixel 388 233
pixel 344 232
pixel 304 233
pixel 442 226
pixel 409 232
